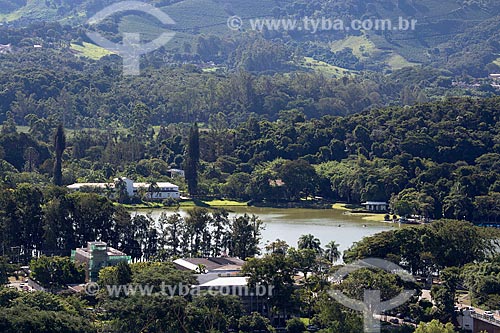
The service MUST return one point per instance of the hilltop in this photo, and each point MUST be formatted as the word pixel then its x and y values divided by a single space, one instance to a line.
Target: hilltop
pixel 460 36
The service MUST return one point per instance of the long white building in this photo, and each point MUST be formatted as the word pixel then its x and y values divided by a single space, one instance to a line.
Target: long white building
pixel 162 190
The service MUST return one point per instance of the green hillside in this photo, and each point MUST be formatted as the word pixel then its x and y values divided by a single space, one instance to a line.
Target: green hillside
pixel 444 30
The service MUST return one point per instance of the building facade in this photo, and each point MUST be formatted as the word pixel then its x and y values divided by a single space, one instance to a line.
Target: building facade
pixel 376 206
pixel 151 191
pixel 96 256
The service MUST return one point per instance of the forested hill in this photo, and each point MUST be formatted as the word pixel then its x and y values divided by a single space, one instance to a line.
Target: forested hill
pixel 42 87
pixel 438 159
pixel 45 88
pixel 458 35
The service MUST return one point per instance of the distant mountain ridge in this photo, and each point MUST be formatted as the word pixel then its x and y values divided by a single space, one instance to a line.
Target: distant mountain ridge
pixel 459 35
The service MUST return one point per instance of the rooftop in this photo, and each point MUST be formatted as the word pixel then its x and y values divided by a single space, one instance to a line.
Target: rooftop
pixel 98 185
pixel 160 184
pixel 112 185
pixel 86 251
pixel 218 264
pixel 226 281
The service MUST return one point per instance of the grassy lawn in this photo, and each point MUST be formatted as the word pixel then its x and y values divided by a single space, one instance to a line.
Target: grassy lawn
pixel 306 321
pixel 26 129
pixel 361 46
pixel 372 217
pixel 364 216
pixel 340 206
pixel 223 203
pixel 365 49
pixel 327 69
pixel 23 129
pixel 90 50
pixel 11 16
pixel 395 61
pixel 141 206
pixel 344 206
pixel 186 204
pixel 213 203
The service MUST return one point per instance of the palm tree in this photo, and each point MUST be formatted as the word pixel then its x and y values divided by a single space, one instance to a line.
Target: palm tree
pixel 332 252
pixel 141 193
pixel 310 242
pixel 121 190
pixel 108 190
pixel 153 189
pixel 200 269
pixel 278 246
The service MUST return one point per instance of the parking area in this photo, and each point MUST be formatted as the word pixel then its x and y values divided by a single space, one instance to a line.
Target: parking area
pixel 21 283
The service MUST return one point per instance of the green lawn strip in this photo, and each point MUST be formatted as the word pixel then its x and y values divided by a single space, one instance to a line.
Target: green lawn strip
pixel 350 210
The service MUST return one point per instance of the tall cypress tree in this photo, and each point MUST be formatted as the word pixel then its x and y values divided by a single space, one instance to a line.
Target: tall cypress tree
pixel 59 146
pixel 192 160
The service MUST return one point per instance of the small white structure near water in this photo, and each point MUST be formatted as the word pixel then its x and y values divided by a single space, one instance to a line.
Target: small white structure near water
pixel 376 206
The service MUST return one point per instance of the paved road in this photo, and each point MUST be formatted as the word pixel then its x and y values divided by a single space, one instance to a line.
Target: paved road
pixel 477 310
pixel 388 319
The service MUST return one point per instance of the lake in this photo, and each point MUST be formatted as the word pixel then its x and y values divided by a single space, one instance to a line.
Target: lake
pixel 289 224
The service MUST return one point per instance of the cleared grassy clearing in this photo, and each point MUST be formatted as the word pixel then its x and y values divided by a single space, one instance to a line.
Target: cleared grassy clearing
pixel 361 46
pixel 90 50
pixel 364 216
pixel 323 67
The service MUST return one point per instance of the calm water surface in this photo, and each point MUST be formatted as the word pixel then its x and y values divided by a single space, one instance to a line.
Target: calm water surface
pixel 290 224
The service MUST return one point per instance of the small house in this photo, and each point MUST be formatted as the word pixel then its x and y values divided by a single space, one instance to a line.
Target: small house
pixel 376 206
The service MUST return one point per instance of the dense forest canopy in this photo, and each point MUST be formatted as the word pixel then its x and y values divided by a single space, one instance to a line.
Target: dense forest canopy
pixel 50 87
pixel 437 159
pixel 210 71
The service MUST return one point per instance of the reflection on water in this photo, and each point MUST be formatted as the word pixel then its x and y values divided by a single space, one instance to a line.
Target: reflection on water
pixel 290 224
